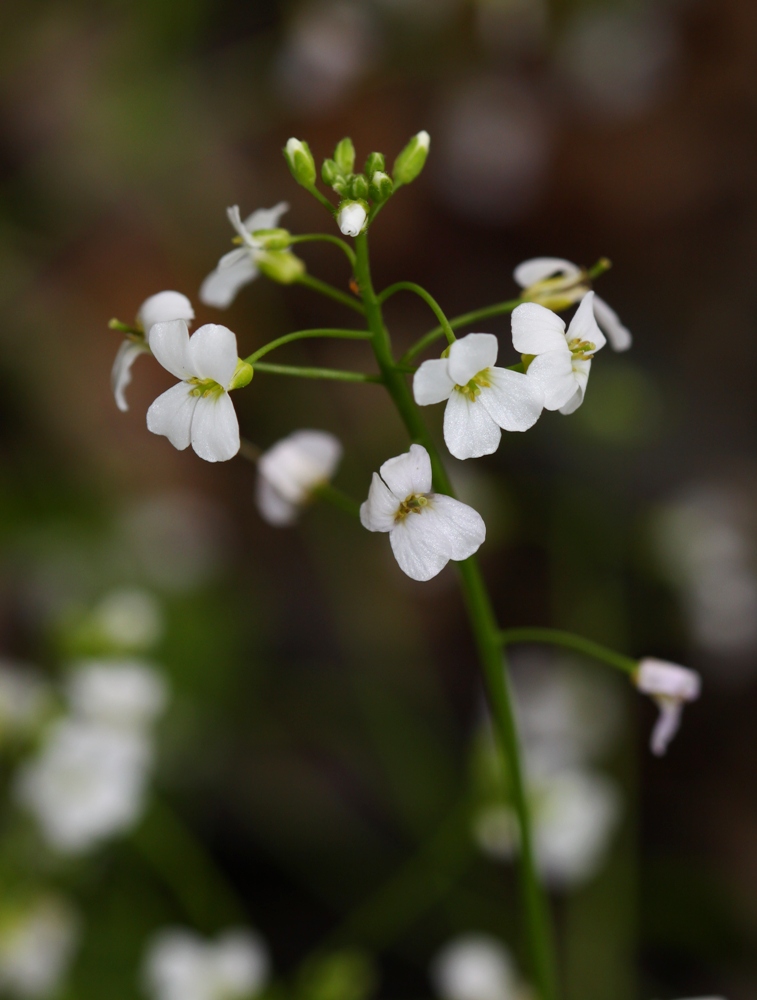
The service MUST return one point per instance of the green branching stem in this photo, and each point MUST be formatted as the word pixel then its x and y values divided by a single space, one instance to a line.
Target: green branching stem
pixel 335 374
pixel 487 636
pixel 456 322
pixel 410 286
pixel 327 238
pixel 577 643
pixel 326 332
pixel 324 288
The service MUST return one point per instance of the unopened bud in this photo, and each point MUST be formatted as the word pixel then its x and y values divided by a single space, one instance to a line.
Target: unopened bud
pixel 359 187
pixel 344 156
pixel 242 375
pixel 411 160
pixel 374 163
pixel 281 266
pixel 381 186
pixel 301 162
pixel 351 217
pixel 330 172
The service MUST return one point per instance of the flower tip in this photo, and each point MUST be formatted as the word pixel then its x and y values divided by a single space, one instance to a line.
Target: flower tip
pixel 351 218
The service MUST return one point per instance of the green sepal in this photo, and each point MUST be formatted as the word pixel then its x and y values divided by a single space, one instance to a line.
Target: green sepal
pixel 242 375
pixel 411 160
pixel 344 156
pixel 527 359
pixel 381 186
pixel 359 187
pixel 301 163
pixel 330 172
pixel 273 239
pixel 374 163
pixel 281 266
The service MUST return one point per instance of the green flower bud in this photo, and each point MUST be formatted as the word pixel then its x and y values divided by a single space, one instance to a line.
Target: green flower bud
pixel 330 172
pixel 343 186
pixel 280 266
pixel 374 162
pixel 301 162
pixel 411 160
pixel 273 239
pixel 359 187
pixel 242 375
pixel 381 186
pixel 344 155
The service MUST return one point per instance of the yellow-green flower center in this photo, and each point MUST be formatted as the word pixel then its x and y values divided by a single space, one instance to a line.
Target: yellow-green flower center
pixel 582 350
pixel 412 504
pixel 473 388
pixel 205 387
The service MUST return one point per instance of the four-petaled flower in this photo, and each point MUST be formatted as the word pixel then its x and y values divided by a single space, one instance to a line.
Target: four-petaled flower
pixel 198 411
pixel 240 266
pixel 426 529
pixel 160 308
pixel 481 398
pixel 671 686
pixel 557 283
pixel 557 360
pixel 291 470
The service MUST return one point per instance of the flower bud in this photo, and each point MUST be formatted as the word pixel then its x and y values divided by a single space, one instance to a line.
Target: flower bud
pixel 374 163
pixel 411 160
pixel 330 173
pixel 344 156
pixel 359 187
pixel 381 186
pixel 301 162
pixel 242 375
pixel 281 266
pixel 351 217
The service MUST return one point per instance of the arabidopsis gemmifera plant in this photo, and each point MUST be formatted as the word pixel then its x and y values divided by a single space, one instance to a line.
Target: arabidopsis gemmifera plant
pixel 411 498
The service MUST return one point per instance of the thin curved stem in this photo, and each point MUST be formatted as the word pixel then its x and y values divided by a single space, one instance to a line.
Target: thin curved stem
pixel 410 286
pixel 559 637
pixel 324 288
pixel 337 498
pixel 327 238
pixel 335 374
pixel 323 199
pixel 326 332
pixel 456 322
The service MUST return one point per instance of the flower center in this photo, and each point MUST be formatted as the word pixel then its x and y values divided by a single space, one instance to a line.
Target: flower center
pixel 558 292
pixel 205 387
pixel 582 350
pixel 412 504
pixel 473 388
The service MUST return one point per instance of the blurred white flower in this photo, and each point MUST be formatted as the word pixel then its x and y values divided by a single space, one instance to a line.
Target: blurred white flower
pixel 180 965
pixel 24 700
pixel 426 529
pixel 561 359
pixel 671 686
pixel 198 410
pixel 556 283
pixel 129 619
pixel 239 267
pixel 126 694
pixel 481 398
pixel 289 471
pixel 36 947
pixel 160 308
pixel 351 218
pixel 475 967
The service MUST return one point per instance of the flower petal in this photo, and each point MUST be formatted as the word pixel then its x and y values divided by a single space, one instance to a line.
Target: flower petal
pixel 619 336
pixel 573 403
pixel 169 342
pixel 266 218
pixel 432 382
pixel 446 529
pixel 553 373
pixel 667 725
pixel 213 353
pixel 469 430
pixel 164 307
pixel 408 473
pixel 234 257
pixel 215 428
pixel 171 415
pixel 272 506
pixel 470 355
pixel 513 400
pixel 378 512
pixel 462 526
pixel 539 268
pixel 537 330
pixel 584 325
pixel 220 287
pixel 120 376
pixel 235 219
pixel 299 462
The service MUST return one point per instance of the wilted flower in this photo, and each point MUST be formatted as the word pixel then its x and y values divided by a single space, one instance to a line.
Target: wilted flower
pixel 671 686
pixel 36 947
pixel 481 398
pixel 198 410
pixel 475 967
pixel 290 471
pixel 180 965
pixel 426 529
pixel 126 694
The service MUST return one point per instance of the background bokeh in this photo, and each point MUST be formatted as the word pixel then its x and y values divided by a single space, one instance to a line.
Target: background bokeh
pixel 317 747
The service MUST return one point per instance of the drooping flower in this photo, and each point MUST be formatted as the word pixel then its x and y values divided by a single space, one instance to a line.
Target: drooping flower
pixel 481 398
pixel 559 361
pixel 351 217
pixel 180 965
pixel 290 471
pixel 240 266
pixel 476 967
pixel 557 283
pixel 198 411
pixel 127 694
pixel 671 686
pixel 37 941
pixel 160 308
pixel 426 529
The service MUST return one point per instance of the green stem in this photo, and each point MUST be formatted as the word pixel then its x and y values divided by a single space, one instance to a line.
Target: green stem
pixel 326 238
pixel 333 495
pixel 322 198
pixel 487 637
pixel 324 288
pixel 410 286
pixel 496 310
pixel 306 335
pixel 559 637
pixel 330 373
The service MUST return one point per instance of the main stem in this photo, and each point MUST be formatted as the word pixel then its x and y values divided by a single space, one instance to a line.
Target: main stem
pixel 487 636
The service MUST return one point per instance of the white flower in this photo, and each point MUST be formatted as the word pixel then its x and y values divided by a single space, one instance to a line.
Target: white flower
pixel 125 694
pixel 557 283
pixel 671 686
pixel 475 967
pixel 290 471
pixel 180 965
pixel 128 618
pixel 36 947
pixel 561 360
pixel 86 784
pixel 198 410
pixel 351 218
pixel 481 398
pixel 238 267
pixel 160 308
pixel 24 699
pixel 426 529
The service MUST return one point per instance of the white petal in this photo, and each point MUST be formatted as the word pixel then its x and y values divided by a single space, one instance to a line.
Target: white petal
pixel 670 680
pixel 213 353
pixel 169 342
pixel 272 506
pixel 432 382
pixel 470 355
pixel 266 218
pixel 120 376
pixel 584 325
pixel 667 725
pixel 234 257
pixel 462 526
pixel 539 268
pixel 220 287
pixel 171 415
pixel 408 473
pixel 619 336
pixel 378 512
pixel 351 219
pixel 514 401
pixel 215 428
pixel 235 219
pixel 553 373
pixel 424 543
pixel 164 307
pixel 299 462
pixel 537 330
pixel 469 430
pixel 573 403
